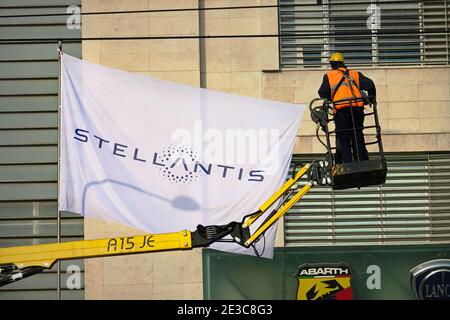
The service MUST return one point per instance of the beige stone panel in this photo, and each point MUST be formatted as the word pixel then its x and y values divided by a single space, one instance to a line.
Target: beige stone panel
pixel 123 25
pixel 114 5
pixel 309 81
pixel 237 3
pixel 242 80
pixel 431 76
pixel 421 142
pixel 279 94
pixel 434 92
pixel 371 148
pixel 401 110
pixel 178 266
pixel 306 115
pixel 187 77
pixel 93 293
pixel 93 275
pixel 178 291
pixel 217 46
pixel 129 275
pixel 435 125
pixel 164 46
pixel 90 26
pixel 218 80
pixel 403 92
pixel 251 92
pixel 180 25
pixel 317 147
pixel 404 77
pixel 443 142
pixel 304 95
pixel 383 110
pixel 394 143
pixel 129 292
pixel 271 79
pixel 307 127
pixel 448 75
pixel 292 79
pixel 279 235
pixel 270 54
pixel 174 61
pixel 212 14
pixel 246 26
pixel 384 125
pixel 303 144
pixel 244 55
pixel 128 62
pixel 434 109
pixel 173 4
pixel 369 121
pixel 268 19
pixel 133 270
pixel 403 126
pixel 306 83
pixel 217 26
pixel 124 46
pixel 91 51
pixel 244 13
pixel 378 76
pixel 382 93
pixel 218 62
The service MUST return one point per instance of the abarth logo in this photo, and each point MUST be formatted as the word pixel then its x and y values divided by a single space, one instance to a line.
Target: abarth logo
pixel 324 282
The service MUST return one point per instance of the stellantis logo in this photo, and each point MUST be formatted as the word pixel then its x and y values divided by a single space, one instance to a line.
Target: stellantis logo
pixel 431 280
pixel 176 163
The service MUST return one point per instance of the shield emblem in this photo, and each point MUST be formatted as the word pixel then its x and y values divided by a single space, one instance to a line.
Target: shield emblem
pixel 324 281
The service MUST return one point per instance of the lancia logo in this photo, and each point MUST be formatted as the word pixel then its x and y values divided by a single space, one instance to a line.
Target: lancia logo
pixel 431 280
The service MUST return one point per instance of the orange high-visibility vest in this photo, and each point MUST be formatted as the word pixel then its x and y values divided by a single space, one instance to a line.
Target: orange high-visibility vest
pixel 347 89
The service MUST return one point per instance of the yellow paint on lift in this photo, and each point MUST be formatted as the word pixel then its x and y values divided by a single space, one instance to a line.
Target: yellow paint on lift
pixel 266 225
pixel 45 255
pixel 277 195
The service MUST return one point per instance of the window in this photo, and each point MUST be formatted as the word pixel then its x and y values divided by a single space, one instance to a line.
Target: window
pixel 28 142
pixel 26 223
pixel 412 207
pixel 368 32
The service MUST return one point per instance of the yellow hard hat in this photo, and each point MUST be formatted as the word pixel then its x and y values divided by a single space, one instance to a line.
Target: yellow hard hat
pixel 337 57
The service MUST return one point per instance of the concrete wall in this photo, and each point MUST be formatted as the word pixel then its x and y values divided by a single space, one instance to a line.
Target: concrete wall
pixel 414 106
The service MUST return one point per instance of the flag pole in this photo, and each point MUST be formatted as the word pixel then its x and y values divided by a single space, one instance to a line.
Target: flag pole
pixel 58 212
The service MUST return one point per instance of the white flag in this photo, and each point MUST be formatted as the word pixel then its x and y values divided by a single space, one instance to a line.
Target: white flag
pixel 164 157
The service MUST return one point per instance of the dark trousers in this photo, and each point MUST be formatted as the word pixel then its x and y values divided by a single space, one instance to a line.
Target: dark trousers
pixel 347 147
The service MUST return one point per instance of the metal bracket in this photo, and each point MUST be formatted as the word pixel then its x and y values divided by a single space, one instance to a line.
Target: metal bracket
pixel 206 235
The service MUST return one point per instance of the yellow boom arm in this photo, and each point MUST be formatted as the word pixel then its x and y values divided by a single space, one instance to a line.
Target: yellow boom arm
pixel 20 262
pixel 45 255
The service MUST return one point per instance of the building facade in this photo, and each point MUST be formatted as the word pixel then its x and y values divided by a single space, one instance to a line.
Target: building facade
pixel 413 95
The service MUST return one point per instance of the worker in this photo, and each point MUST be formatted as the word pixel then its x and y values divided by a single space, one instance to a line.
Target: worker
pixel 340 84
